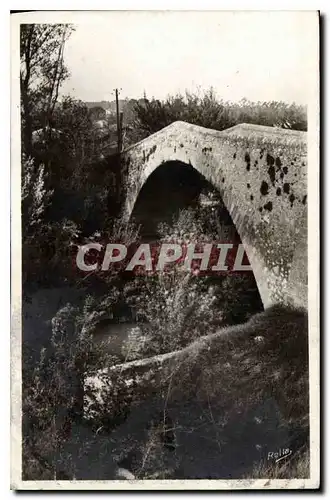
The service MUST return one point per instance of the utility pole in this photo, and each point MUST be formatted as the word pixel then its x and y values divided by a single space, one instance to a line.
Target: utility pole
pixel 119 120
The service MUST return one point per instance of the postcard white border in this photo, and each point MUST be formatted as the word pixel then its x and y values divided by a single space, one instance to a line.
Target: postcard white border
pixel 313 255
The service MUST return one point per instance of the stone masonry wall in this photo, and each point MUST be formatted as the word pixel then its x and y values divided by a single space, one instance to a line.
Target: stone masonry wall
pixel 261 174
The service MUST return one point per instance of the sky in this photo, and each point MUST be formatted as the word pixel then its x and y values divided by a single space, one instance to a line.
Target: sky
pixel 259 56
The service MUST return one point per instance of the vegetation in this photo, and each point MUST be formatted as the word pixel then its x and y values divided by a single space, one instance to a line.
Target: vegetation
pixel 219 381
pixel 292 468
pixel 177 307
pixel 42 73
pixel 53 391
pixel 208 111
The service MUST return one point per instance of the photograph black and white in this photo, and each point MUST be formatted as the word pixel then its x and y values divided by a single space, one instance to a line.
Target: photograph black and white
pixel 165 311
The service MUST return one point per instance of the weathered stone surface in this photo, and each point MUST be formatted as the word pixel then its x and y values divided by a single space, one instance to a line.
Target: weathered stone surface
pixel 261 174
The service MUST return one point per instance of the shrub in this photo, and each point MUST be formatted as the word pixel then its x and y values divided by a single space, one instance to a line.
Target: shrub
pixel 35 197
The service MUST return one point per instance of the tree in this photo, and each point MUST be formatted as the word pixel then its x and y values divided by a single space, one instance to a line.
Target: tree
pixel 74 149
pixel 41 75
pixel 97 113
pixel 206 110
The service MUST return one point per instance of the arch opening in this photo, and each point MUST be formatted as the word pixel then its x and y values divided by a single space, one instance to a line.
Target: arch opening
pixel 175 194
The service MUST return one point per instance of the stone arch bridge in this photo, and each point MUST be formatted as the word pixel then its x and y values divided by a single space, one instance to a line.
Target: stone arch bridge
pixel 261 174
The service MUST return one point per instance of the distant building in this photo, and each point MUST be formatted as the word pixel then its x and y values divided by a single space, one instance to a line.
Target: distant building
pixel 110 112
pixel 100 124
pixel 42 134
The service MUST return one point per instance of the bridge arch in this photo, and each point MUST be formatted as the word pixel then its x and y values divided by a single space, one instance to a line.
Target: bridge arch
pixel 260 173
